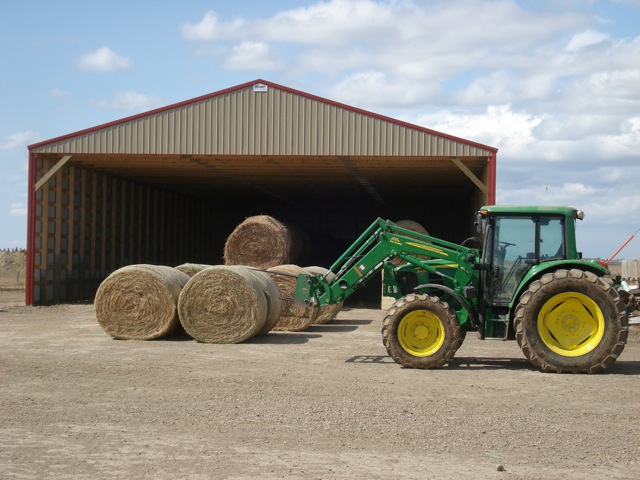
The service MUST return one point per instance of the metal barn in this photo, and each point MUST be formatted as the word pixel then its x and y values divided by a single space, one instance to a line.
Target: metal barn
pixel 168 186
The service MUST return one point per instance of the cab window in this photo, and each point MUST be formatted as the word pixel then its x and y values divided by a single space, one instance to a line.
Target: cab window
pixel 551 238
pixel 514 241
pixel 518 243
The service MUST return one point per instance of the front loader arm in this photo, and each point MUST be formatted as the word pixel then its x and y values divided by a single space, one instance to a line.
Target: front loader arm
pixel 382 241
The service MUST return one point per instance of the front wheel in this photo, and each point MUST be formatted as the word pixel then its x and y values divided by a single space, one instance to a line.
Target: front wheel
pixel 421 331
pixel 571 321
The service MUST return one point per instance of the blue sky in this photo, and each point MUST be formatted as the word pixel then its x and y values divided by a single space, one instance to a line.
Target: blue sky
pixel 554 85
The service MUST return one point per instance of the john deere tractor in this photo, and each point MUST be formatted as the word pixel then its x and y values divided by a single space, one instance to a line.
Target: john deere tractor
pixel 522 278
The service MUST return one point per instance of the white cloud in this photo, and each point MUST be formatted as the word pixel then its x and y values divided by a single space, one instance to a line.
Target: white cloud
pixel 19 140
pixel 252 56
pixel 130 101
pixel 586 39
pixel 550 193
pixel 575 127
pixel 57 92
pixel 498 125
pixel 371 88
pixel 337 22
pixel 18 210
pixel 624 145
pixel 210 28
pixel 104 60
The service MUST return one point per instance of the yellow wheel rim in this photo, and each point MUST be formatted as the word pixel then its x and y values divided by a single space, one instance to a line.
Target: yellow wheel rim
pixel 421 333
pixel 571 324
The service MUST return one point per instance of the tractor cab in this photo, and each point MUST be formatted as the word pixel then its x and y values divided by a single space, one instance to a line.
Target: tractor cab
pixel 515 239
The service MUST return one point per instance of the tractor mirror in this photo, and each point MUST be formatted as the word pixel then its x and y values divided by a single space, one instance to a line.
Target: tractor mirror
pixel 480 223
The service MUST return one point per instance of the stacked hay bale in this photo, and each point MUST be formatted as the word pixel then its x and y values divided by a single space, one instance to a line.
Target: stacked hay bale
pixel 414 227
pixel 139 302
pixel 192 268
pixel 292 318
pixel 260 241
pixel 215 304
pixel 229 304
pixel 326 313
pixel 266 243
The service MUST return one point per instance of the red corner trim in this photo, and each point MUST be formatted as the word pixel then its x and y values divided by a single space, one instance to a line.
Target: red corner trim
pixel 31 230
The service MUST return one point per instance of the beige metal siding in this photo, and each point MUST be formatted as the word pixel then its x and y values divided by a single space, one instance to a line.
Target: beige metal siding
pixel 276 122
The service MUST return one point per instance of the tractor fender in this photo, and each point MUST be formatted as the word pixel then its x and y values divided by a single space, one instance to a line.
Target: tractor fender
pixel 463 303
pixel 537 271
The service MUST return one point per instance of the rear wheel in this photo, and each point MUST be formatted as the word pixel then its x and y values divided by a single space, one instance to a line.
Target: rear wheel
pixel 571 321
pixel 421 331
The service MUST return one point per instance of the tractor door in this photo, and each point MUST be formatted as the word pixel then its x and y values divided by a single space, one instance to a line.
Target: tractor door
pixel 513 240
pixel 514 244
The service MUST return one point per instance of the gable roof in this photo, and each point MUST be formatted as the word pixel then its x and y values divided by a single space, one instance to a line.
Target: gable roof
pixel 261 118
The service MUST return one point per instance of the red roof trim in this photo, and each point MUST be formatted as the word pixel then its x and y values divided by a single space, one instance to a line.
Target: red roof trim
pixel 270 84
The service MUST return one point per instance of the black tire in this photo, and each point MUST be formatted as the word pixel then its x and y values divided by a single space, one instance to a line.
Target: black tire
pixel 421 331
pixel 571 321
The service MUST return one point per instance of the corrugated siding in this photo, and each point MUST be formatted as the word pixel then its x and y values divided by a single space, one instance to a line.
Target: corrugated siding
pixel 275 122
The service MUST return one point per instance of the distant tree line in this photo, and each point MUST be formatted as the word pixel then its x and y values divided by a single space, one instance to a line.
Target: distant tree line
pixel 12 250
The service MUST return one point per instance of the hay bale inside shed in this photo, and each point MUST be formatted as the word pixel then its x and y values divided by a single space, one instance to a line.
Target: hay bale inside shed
pixel 293 318
pixel 259 241
pixel 139 302
pixel 192 268
pixel 414 227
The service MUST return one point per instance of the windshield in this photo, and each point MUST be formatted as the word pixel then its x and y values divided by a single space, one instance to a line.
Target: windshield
pixel 518 243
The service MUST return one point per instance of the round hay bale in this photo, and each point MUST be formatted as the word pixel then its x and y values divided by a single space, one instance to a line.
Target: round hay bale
pixel 222 305
pixel 192 268
pixel 139 302
pixel 272 294
pixel 292 319
pixel 260 241
pixel 326 313
pixel 414 227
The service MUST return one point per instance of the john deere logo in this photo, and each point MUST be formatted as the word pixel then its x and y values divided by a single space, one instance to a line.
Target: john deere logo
pixel 395 240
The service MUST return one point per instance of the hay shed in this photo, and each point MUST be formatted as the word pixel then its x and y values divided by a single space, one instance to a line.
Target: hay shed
pixel 168 186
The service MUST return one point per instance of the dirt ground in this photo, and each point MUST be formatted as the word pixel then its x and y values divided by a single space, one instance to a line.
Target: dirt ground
pixel 327 403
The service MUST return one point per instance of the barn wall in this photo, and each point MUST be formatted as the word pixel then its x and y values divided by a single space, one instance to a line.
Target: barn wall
pixel 88 224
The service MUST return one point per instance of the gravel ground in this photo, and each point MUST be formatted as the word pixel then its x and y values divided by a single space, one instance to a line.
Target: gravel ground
pixel 327 403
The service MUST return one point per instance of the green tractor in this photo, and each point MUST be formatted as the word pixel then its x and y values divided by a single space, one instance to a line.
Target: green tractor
pixel 525 280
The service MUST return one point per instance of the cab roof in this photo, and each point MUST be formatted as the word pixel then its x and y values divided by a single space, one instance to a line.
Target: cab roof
pixel 564 211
